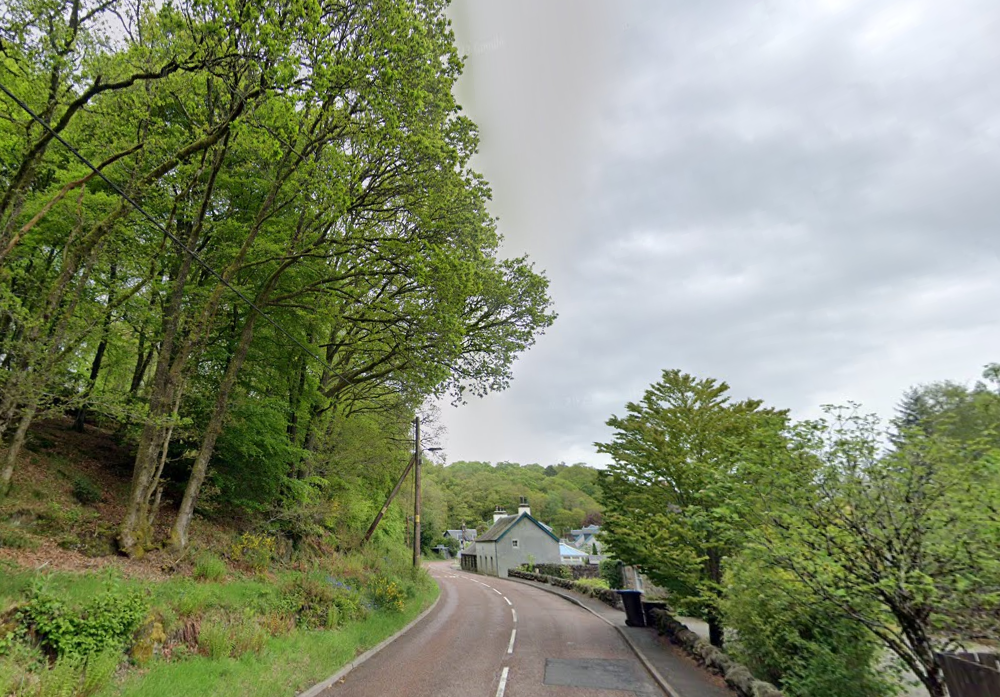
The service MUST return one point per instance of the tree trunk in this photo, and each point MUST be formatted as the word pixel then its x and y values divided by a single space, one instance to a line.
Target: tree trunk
pixel 179 534
pixel 130 537
pixel 95 367
pixel 10 458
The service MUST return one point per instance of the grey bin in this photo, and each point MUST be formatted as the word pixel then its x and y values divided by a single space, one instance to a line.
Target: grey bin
pixel 632 600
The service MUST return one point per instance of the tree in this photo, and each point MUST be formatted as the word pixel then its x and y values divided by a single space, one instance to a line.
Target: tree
pixel 901 541
pixel 676 495
pixel 315 158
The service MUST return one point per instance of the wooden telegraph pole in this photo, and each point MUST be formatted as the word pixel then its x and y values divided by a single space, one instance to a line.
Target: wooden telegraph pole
pixel 416 491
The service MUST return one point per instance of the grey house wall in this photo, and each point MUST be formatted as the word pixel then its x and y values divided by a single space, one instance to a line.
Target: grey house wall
pixel 533 544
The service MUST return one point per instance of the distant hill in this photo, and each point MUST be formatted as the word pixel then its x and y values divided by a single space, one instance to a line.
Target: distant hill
pixel 561 496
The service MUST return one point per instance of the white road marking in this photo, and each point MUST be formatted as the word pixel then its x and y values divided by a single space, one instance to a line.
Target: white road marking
pixel 510 646
pixel 514 613
pixel 496 591
pixel 503 682
pixel 508 600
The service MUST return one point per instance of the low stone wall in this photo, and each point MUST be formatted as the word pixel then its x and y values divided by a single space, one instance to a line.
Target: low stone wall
pixel 605 595
pixel 737 676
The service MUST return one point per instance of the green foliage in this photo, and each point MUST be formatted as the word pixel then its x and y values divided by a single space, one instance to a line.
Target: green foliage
pixel 678 494
pixel 99 671
pixel 13 538
pixel 85 490
pixel 256 550
pixel 593 582
pixel 209 567
pixel 322 601
pixel 386 594
pixel 872 532
pixel 611 572
pixel 557 570
pixel 104 623
pixel 788 637
pixel 562 496
pixel 214 640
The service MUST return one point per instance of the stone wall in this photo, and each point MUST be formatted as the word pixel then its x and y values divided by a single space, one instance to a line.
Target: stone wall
pixel 605 595
pixel 737 676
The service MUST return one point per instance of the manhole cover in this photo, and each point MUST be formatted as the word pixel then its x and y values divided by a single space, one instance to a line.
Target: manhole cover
pixel 597 673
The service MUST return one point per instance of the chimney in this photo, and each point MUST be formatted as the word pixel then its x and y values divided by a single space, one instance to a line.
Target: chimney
pixel 498 514
pixel 523 507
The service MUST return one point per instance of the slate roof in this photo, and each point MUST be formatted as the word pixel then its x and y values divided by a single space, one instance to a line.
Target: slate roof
pixel 504 524
pixel 470 534
pixel 499 528
pixel 470 550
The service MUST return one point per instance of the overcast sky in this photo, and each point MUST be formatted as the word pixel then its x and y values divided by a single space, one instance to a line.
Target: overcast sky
pixel 799 198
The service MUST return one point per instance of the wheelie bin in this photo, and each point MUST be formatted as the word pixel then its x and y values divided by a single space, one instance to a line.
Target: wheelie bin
pixel 632 600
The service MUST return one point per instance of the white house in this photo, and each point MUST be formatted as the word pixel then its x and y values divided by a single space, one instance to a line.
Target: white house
pixel 513 540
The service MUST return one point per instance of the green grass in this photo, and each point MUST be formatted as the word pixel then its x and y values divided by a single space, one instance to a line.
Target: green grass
pixel 593 582
pixel 285 666
pixel 209 567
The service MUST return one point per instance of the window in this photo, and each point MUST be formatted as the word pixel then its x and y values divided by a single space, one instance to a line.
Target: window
pixel 513 543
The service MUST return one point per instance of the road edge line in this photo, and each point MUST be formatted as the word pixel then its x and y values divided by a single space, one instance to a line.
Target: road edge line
pixel 646 663
pixel 319 687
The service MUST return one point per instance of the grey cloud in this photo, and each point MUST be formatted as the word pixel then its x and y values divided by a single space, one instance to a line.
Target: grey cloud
pixel 798 200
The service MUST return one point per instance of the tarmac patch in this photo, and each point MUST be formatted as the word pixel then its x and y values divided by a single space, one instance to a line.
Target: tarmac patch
pixel 598 674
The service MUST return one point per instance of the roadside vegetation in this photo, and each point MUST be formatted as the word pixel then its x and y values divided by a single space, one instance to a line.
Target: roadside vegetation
pixel 815 549
pixel 243 612
pixel 213 349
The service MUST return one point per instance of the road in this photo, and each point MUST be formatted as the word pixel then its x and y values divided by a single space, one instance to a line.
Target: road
pixel 491 637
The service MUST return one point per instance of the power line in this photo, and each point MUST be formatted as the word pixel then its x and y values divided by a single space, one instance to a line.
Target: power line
pixel 176 240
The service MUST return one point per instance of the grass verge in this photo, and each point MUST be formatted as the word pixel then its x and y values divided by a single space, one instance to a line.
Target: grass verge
pixel 286 666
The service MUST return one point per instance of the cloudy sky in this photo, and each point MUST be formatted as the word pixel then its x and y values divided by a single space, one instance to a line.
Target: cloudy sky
pixel 800 198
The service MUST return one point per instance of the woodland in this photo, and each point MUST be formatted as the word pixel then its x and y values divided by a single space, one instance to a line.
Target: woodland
pixel 835 556
pixel 245 238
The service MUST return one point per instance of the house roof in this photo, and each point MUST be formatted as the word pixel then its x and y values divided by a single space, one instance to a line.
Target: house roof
pixel 470 534
pixel 588 530
pixel 503 526
pixel 566 551
pixel 470 550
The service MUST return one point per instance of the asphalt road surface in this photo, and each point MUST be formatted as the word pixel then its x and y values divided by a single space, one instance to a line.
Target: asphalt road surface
pixel 491 637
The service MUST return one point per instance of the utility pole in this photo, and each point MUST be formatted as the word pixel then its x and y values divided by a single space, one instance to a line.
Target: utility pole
pixel 385 506
pixel 416 491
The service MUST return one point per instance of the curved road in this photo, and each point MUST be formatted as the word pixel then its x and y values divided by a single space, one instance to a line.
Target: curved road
pixel 491 637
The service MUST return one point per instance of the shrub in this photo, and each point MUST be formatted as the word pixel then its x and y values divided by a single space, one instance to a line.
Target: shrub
pixel 106 622
pixel 256 550
pixel 788 638
pixel 387 595
pixel 85 490
pixel 611 572
pixel 322 601
pixel 208 567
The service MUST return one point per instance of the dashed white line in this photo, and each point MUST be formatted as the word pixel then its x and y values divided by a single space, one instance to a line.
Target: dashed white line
pixel 514 613
pixel 510 646
pixel 496 591
pixel 503 682
pixel 508 600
